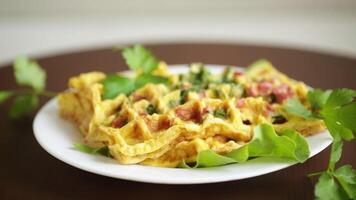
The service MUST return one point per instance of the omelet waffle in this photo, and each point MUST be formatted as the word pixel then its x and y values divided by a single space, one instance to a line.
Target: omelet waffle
pixel 165 124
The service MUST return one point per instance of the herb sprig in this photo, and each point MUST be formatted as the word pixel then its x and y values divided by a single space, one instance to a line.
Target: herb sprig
pixel 29 74
pixel 140 60
pixel 337 108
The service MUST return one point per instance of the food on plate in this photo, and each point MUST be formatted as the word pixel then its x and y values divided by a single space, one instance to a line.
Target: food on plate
pixel 158 118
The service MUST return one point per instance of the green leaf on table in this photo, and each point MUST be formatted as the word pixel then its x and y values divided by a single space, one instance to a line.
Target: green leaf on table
pixel 29 73
pixel 4 95
pixel 138 57
pixel 143 79
pixel 317 98
pixel 328 189
pixel 293 106
pixel 90 150
pixel 22 105
pixel 115 85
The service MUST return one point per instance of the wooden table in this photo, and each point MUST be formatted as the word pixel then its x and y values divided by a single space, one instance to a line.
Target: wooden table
pixel 29 172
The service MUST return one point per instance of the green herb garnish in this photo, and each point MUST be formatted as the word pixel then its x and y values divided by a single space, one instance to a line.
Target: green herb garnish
pixel 337 109
pixel 29 74
pixel 140 58
pixel 90 150
pixel 151 109
pixel 220 112
pixel 143 62
pixel 115 84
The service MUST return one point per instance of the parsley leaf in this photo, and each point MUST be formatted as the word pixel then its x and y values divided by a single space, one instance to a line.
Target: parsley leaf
pixel 337 130
pixel 340 97
pixel 294 107
pixel 22 105
pixel 346 176
pixel 337 109
pixel 150 109
pixel 138 57
pixel 115 85
pixel 317 98
pixel 338 113
pixel 90 150
pixel 143 79
pixel 328 189
pixel 141 60
pixel 220 113
pixel 335 154
pixel 4 95
pixel 29 73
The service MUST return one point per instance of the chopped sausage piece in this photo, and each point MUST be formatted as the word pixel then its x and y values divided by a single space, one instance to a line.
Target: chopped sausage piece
pixel 282 93
pixel 120 121
pixel 265 88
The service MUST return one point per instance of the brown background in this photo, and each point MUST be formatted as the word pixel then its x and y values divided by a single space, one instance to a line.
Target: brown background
pixel 28 172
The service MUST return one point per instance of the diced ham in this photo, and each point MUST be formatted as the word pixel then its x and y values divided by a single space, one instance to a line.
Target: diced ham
pixel 282 93
pixel 240 103
pixel 265 88
pixel 191 114
pixel 137 97
pixel 237 73
pixel 184 114
pixel 252 91
pixel 268 111
pixel 157 125
pixel 202 94
pixel 120 121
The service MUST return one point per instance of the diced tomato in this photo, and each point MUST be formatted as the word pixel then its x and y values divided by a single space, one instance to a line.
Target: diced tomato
pixel 282 93
pixel 240 103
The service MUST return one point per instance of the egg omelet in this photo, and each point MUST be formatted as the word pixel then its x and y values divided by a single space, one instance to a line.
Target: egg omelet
pixel 164 124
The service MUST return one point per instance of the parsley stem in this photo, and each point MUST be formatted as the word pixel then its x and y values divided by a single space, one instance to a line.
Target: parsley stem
pixel 314 174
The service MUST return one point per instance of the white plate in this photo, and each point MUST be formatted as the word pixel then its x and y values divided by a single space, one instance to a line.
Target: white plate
pixel 57 136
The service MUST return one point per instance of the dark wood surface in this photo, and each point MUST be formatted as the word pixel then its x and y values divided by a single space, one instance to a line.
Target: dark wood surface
pixel 28 172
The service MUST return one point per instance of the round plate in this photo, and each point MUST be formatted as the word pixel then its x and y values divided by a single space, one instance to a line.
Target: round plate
pixel 57 137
